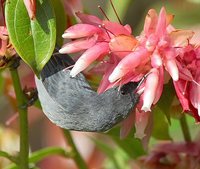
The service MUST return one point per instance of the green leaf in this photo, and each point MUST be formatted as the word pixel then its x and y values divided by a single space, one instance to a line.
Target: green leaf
pixel 61 20
pixel 39 155
pixel 161 126
pixel 34 40
pixel 45 152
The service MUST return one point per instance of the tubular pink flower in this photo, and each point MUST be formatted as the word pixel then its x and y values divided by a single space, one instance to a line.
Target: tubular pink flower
pixel 89 19
pixel 31 8
pixel 80 31
pixel 162 23
pixel 88 57
pixel 141 123
pixel 128 63
pixel 105 32
pixel 156 60
pixel 172 69
pixel 150 22
pixel 150 89
pixel 78 45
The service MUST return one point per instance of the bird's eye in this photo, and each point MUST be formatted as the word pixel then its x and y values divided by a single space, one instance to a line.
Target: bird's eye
pixel 123 92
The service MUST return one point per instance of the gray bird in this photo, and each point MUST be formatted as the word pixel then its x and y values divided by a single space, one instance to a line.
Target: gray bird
pixel 70 103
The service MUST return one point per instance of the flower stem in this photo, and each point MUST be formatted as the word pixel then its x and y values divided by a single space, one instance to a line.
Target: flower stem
pixel 77 157
pixel 22 109
pixel 185 129
pixel 8 156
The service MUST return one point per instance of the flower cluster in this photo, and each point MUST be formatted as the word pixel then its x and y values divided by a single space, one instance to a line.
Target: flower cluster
pixel 173 156
pixel 160 49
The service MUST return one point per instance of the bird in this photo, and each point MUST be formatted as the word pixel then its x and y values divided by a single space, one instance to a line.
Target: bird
pixel 71 103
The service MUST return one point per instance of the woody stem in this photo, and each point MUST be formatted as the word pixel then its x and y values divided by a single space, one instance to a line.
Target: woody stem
pixel 185 129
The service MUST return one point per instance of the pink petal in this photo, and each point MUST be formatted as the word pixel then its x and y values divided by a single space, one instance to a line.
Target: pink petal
pixel 122 43
pixel 89 56
pixel 3 47
pixel 128 28
pixel 127 125
pixel 160 85
pixel 150 22
pixel 129 63
pixel 148 131
pixel 104 84
pixel 169 19
pixel 150 89
pixel 78 45
pixel 180 38
pixel 89 19
pixel 151 42
pixel 171 67
pixel 31 8
pixel 3 33
pixel 156 60
pixel 3 40
pixel 195 92
pixel 81 30
pixel 182 94
pixel 141 123
pixel 184 73
pixel 115 28
pixel 162 23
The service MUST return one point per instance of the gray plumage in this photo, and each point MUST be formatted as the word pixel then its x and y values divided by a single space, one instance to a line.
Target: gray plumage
pixel 71 103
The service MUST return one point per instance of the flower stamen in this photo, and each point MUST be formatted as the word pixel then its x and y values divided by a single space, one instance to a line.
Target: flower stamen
pixel 104 14
pixel 107 31
pixel 115 12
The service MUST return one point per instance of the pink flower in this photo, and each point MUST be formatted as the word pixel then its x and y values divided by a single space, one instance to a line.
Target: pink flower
pixel 188 86
pixel 172 155
pixel 156 50
pixel 3 40
pixel 6 49
pixel 98 39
